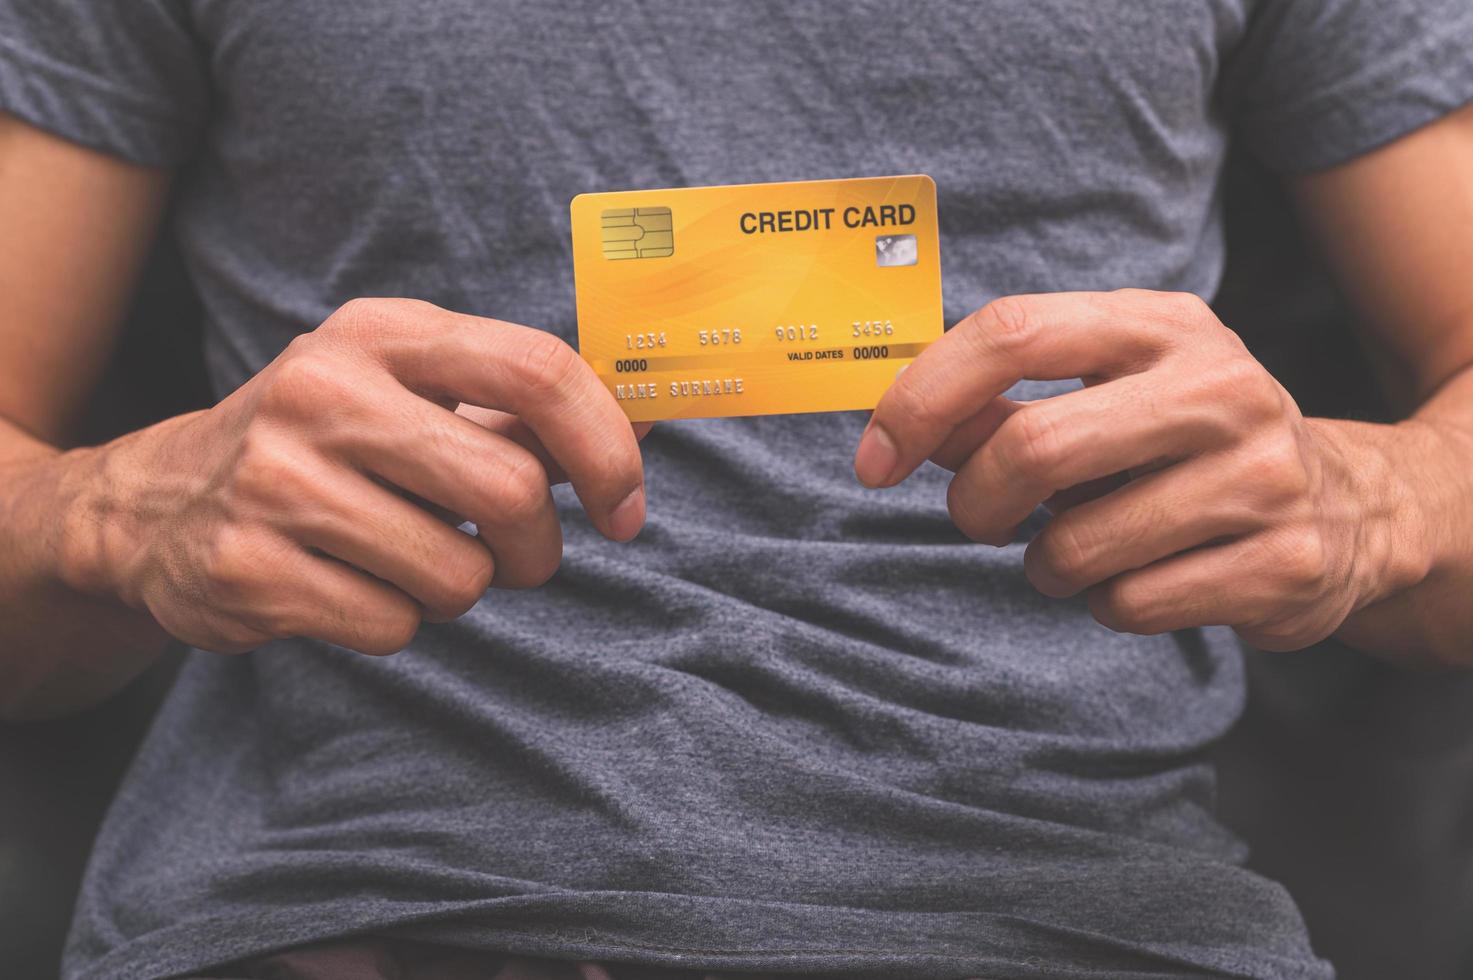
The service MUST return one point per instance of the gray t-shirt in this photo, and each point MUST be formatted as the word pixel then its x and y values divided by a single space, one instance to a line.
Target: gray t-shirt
pixel 795 725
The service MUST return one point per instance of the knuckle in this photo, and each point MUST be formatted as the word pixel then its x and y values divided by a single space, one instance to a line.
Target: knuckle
pixel 245 576
pixel 359 309
pixel 1278 468
pixel 961 505
pixel 1222 397
pixel 1188 308
pixel 543 565
pixel 302 379
pixel 1064 553
pixel 1179 314
pixel 302 343
pixel 465 581
pixel 522 490
pixel 1106 606
pixel 232 564
pixel 535 562
pixel 616 471
pixel 1303 559
pixel 1283 635
pixel 548 365
pixel 1031 442
pixel 236 639
pixel 216 632
pixel 353 315
pixel 277 622
pixel 1235 379
pixel 394 631
pixel 1116 605
pixel 911 403
pixel 363 324
pixel 368 315
pixel 1267 401
pixel 267 468
pixel 1005 324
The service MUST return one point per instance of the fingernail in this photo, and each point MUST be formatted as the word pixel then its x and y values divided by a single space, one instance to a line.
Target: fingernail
pixel 628 517
pixel 876 457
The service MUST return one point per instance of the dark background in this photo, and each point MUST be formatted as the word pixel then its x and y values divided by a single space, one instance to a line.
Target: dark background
pixel 1351 780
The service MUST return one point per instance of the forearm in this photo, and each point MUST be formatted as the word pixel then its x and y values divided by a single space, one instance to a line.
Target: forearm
pixel 65 642
pixel 1427 617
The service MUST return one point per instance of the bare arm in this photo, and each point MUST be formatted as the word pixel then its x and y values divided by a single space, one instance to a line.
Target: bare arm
pixel 1398 227
pixel 312 501
pixel 1187 487
pixel 74 228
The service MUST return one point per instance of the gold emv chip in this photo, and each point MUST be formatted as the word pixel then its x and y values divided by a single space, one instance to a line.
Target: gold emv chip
pixel 637 233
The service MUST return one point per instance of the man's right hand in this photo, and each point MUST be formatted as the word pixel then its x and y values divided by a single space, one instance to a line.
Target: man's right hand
pixel 304 503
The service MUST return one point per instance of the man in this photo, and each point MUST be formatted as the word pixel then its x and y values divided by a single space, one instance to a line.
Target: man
pixel 798 725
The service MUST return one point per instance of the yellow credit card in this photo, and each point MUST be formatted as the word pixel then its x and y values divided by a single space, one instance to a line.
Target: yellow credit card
pixel 756 299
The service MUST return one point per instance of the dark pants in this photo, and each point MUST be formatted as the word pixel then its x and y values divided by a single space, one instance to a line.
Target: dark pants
pixel 385 959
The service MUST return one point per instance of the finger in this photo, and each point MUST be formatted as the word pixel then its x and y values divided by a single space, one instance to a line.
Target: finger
pixel 1053 444
pixel 350 517
pixel 490 480
pixel 528 373
pixel 1041 337
pixel 1253 580
pixel 969 436
pixel 1149 519
pixel 508 425
pixel 318 597
pixel 971 433
pixel 1085 492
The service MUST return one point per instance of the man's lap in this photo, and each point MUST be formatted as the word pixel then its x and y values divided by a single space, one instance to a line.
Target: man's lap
pixel 372 958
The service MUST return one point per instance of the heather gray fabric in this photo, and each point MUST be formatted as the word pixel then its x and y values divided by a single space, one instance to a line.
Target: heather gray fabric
pixel 796 725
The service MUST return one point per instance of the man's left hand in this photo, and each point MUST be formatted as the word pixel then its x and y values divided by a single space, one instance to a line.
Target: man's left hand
pixel 1187 487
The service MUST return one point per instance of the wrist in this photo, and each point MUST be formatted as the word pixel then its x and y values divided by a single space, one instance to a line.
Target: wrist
pixel 1439 464
pixel 105 496
pixel 1378 473
pixel 44 504
pixel 87 513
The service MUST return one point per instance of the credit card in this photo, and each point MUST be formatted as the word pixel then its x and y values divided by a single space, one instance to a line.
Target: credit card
pixel 756 299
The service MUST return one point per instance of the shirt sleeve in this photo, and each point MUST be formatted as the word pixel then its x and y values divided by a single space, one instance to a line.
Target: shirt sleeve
pixel 126 77
pixel 1314 83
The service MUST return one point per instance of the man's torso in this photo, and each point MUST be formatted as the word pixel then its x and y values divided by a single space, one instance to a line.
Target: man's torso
pixel 796 723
